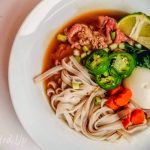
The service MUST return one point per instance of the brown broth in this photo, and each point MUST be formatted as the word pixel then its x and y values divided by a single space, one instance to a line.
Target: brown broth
pixel 87 18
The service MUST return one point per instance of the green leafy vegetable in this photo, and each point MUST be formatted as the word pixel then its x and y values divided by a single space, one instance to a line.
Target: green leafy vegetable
pixel 142 55
pixel 144 60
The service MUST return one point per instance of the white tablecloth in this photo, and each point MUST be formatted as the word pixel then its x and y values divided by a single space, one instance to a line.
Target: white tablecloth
pixel 12 134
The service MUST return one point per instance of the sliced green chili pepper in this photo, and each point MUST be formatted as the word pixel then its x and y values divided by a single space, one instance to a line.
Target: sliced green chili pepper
pixel 113 35
pixel 97 62
pixel 123 63
pixel 109 80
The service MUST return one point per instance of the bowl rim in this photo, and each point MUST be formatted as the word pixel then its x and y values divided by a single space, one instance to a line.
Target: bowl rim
pixel 26 24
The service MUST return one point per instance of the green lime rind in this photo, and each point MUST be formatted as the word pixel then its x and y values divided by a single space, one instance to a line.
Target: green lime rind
pixel 142 34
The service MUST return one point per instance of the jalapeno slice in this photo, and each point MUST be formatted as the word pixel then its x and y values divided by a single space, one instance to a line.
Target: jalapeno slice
pixel 109 80
pixel 123 63
pixel 97 62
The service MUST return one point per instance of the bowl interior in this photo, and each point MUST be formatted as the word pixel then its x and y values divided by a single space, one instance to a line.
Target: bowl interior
pixel 29 99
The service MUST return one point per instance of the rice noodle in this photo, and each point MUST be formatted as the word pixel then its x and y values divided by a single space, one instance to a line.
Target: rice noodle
pixel 70 68
pixel 136 128
pixel 82 70
pixel 113 137
pixel 77 106
pixel 48 74
pixel 52 84
pixel 125 135
pixel 50 91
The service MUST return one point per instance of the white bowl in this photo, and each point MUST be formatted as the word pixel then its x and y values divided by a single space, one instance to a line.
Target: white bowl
pixel 26 59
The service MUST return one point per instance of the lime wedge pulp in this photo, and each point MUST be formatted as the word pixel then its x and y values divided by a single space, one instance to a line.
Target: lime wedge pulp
pixel 137 27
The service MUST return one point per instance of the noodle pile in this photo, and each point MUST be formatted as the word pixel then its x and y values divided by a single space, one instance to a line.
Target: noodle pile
pixel 77 106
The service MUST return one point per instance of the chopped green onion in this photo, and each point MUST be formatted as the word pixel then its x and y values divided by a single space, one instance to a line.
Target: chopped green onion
pixel 89 52
pixel 130 42
pixel 97 101
pixel 75 85
pixel 78 58
pixel 76 52
pixel 137 45
pixel 106 49
pixel 83 55
pixel 122 46
pixel 113 35
pixel 85 48
pixel 61 38
pixel 113 46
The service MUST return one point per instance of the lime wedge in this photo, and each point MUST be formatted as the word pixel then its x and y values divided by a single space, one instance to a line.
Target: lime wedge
pixel 137 27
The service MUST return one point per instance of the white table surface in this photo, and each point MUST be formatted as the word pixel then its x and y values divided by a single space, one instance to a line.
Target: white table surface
pixel 12 134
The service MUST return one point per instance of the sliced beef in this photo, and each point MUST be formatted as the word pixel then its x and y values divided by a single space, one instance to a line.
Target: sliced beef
pixel 82 34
